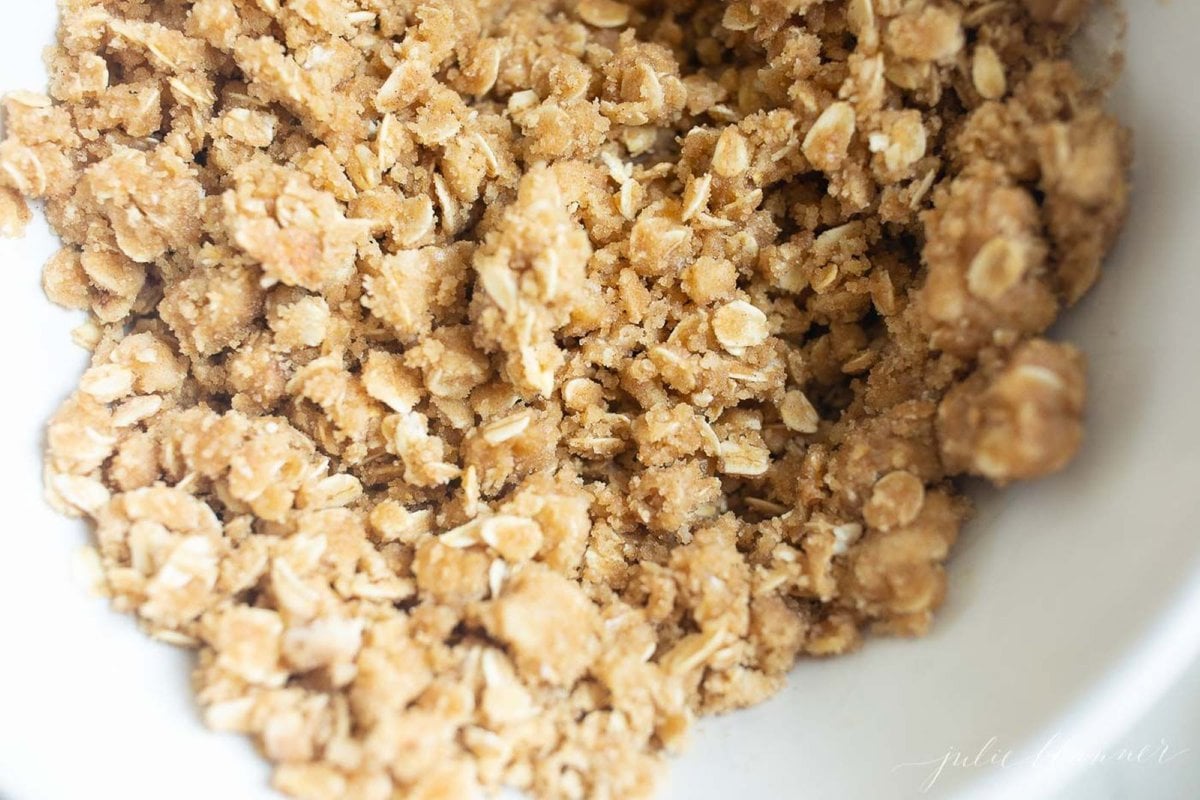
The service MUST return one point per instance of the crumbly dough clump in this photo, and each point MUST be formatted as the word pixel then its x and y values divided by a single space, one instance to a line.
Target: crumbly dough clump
pixel 485 388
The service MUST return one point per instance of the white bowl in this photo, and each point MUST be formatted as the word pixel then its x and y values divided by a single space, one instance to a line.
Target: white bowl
pixel 1074 601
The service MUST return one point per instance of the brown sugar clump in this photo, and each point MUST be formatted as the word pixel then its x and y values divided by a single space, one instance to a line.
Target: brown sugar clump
pixel 486 390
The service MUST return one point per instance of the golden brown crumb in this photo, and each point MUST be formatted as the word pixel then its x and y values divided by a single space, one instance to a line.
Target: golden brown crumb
pixel 485 389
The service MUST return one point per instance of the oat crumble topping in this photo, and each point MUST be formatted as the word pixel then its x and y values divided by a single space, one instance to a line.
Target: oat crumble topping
pixel 486 388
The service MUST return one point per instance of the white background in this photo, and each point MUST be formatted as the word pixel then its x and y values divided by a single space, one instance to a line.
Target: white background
pixel 1175 721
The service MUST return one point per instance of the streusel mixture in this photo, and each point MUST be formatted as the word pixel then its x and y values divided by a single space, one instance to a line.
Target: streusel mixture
pixel 486 388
